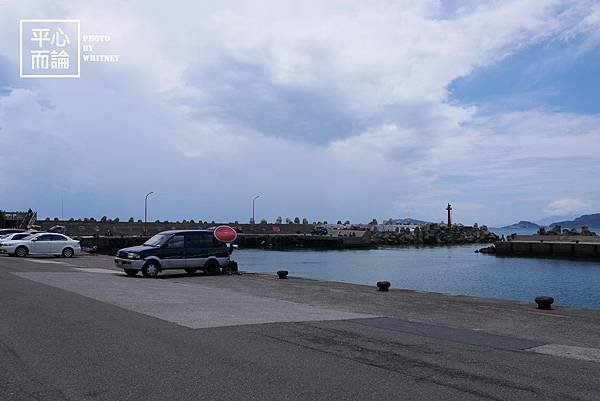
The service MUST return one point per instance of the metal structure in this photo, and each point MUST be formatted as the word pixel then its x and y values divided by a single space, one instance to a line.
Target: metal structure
pixel 253 200
pixel 29 220
pixel 146 211
pixel 449 209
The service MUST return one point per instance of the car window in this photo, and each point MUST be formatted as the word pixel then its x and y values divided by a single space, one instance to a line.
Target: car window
pixel 20 236
pixel 199 240
pixel 58 238
pixel 157 240
pixel 175 242
pixel 44 238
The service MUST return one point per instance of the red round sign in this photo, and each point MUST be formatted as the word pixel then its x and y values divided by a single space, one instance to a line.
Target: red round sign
pixel 225 234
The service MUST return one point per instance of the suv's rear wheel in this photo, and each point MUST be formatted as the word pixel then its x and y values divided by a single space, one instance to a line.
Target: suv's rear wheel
pixel 151 269
pixel 212 268
pixel 191 271
pixel 21 251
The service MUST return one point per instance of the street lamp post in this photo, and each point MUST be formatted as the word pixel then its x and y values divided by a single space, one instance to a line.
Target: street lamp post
pixel 253 200
pixel 146 211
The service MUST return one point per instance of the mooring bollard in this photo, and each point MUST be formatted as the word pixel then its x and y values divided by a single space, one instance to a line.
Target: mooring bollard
pixel 544 302
pixel 282 274
pixel 383 285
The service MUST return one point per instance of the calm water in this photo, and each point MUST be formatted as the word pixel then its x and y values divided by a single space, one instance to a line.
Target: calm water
pixel 452 270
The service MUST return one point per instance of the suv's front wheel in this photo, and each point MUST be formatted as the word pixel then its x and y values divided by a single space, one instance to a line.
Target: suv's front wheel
pixel 151 269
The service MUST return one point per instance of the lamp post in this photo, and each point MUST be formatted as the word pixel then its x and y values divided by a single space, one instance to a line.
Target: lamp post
pixel 146 211
pixel 253 200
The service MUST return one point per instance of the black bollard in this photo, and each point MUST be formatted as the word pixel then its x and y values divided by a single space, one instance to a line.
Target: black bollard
pixel 544 303
pixel 282 274
pixel 383 285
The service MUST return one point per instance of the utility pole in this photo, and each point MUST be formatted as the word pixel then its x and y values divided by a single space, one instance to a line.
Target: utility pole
pixel 146 211
pixel 253 200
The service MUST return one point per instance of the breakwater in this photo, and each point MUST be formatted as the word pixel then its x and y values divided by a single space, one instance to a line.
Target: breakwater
pixel 296 237
pixel 435 234
pixel 291 241
pixel 117 228
pixel 550 246
pixel 110 245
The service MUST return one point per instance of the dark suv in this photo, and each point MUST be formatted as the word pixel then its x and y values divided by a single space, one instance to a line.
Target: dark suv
pixel 191 250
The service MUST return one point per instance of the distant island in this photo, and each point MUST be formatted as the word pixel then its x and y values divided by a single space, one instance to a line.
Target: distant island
pixel 523 224
pixel 590 220
pixel 410 220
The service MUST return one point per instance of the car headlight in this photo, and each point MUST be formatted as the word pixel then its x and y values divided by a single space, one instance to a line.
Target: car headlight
pixel 131 255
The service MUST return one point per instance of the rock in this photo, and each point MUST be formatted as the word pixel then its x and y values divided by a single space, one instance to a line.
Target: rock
pixel 488 249
pixel 556 230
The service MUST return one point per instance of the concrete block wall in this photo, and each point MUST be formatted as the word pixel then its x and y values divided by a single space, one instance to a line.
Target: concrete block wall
pixel 548 249
pixel 124 228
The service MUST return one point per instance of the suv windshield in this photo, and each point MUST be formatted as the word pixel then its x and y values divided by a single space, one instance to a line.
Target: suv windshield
pixel 157 240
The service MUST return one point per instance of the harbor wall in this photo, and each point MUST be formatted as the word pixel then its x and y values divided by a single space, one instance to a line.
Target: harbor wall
pixel 583 248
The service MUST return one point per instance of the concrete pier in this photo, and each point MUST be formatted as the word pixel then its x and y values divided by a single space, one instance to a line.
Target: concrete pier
pixel 558 246
pixel 79 329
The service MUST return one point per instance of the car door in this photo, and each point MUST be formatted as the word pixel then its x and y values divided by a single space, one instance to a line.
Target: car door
pixel 58 243
pixel 42 244
pixel 195 249
pixel 172 254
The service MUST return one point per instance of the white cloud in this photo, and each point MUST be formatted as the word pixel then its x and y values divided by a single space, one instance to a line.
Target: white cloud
pixel 565 206
pixel 329 109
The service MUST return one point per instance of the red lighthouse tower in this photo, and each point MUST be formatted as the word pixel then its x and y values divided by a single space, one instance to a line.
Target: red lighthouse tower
pixel 449 209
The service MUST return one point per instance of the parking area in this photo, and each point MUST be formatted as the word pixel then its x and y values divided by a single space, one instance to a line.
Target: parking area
pixel 81 329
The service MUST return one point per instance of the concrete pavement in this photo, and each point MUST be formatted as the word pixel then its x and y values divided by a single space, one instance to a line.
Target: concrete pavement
pixel 79 330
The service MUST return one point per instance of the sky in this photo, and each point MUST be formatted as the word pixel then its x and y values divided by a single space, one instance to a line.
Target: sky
pixel 329 110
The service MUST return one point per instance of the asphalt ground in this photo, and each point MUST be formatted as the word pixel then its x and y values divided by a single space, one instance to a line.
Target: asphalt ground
pixel 78 329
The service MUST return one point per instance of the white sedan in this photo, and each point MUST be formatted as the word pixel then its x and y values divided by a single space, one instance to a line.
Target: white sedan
pixel 11 237
pixel 42 244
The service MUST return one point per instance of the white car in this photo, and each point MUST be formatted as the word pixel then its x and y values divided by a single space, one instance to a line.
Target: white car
pixel 11 237
pixel 42 244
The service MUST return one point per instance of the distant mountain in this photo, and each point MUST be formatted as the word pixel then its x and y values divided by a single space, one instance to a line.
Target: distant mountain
pixel 409 220
pixel 590 220
pixel 546 221
pixel 522 224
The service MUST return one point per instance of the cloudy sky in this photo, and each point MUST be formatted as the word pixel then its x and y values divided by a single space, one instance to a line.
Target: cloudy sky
pixel 326 109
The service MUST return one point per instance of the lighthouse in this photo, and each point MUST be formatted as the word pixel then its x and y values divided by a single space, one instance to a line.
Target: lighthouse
pixel 449 209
